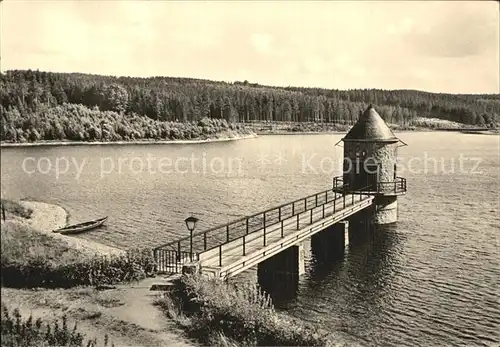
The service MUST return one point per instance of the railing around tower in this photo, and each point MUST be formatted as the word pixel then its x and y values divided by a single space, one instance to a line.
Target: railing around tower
pixel 397 186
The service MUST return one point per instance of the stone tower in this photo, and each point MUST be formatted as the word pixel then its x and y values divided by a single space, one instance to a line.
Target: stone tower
pixel 370 154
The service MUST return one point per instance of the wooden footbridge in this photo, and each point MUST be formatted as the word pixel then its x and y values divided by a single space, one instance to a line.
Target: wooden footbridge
pixel 227 250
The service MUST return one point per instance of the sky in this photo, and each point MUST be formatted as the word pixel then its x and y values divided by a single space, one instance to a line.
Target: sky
pixel 436 46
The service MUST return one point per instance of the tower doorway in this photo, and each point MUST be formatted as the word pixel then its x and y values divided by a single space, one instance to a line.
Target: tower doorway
pixel 371 174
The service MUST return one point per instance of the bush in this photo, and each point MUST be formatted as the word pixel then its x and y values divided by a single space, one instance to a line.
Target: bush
pixel 97 271
pixel 16 208
pixel 18 332
pixel 31 259
pixel 244 314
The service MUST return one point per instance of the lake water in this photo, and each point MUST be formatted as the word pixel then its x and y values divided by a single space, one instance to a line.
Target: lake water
pixel 431 279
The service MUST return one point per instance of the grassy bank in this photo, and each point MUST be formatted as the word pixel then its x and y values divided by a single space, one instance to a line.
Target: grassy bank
pixel 217 313
pixel 49 278
pixel 31 259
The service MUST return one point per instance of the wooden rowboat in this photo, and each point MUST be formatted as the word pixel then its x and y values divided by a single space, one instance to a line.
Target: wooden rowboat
pixel 81 227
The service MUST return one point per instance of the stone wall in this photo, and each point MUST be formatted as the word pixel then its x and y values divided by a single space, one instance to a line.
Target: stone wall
pixel 386 210
pixel 384 154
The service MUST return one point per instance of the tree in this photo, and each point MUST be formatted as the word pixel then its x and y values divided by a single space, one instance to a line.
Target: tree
pixel 115 98
pixel 287 111
pixel 133 107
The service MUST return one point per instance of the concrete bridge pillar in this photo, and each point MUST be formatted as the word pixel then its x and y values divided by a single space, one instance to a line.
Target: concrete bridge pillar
pixel 361 224
pixel 330 242
pixel 289 262
pixel 191 268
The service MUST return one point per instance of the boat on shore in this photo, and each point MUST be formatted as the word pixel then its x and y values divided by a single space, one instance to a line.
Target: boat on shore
pixel 81 227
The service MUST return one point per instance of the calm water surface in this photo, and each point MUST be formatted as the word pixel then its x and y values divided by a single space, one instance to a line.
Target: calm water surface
pixel 431 279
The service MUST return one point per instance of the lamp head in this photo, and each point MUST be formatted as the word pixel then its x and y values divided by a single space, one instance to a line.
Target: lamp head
pixel 191 222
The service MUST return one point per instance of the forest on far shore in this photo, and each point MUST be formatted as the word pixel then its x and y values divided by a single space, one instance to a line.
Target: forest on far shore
pixel 37 105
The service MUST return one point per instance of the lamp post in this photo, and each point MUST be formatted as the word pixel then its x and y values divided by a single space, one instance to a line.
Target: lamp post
pixel 191 224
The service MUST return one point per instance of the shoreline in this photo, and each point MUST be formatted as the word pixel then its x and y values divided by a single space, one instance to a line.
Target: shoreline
pixel 47 217
pixel 423 130
pixel 133 142
pixel 255 134
pixel 280 132
pixel 125 312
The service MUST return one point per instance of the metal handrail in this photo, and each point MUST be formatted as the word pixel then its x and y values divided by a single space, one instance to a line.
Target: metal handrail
pixel 362 192
pixel 398 185
pixel 173 243
pixel 294 213
pixel 298 207
pixel 282 243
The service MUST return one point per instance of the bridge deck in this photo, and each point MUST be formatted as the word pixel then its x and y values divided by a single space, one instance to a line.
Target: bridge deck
pixel 239 255
pixel 229 249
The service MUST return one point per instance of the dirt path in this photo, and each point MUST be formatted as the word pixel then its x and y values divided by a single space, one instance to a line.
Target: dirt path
pixel 126 314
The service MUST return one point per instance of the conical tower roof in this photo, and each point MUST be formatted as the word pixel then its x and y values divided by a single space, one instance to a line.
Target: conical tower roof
pixel 370 127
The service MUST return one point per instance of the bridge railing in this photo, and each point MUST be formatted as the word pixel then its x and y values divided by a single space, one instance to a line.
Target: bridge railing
pixel 171 256
pixel 188 248
pixel 296 219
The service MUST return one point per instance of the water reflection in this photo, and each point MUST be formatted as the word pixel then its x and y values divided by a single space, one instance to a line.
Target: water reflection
pixel 431 281
pixel 359 274
pixel 354 288
pixel 371 265
pixel 283 289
